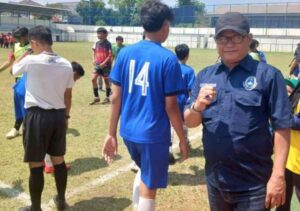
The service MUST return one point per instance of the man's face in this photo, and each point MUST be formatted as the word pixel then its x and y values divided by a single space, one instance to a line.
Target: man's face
pixel 233 47
pixel 101 36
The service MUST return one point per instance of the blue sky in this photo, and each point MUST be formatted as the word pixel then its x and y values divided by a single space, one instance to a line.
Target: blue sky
pixel 173 2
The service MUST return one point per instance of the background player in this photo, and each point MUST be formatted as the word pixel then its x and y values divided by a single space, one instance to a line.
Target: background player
pixel 102 55
pixel 20 48
pixel 188 74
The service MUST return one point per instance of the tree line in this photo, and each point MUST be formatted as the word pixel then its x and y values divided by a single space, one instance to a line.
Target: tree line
pixel 126 12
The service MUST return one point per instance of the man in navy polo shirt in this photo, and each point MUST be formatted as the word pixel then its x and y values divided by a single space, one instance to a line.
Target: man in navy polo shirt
pixel 236 100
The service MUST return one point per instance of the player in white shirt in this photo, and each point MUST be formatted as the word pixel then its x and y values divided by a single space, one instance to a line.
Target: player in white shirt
pixel 47 102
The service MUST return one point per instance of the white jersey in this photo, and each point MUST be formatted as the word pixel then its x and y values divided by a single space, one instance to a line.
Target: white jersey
pixel 48 76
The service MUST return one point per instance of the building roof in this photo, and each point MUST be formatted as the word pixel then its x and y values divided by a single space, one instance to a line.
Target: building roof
pixel 30 2
pixel 35 9
pixel 255 9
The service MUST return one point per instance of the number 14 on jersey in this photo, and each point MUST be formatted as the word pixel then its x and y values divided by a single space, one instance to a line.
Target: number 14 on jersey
pixel 141 79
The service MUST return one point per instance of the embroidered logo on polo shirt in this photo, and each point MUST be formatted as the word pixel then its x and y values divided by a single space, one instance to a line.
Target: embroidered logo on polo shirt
pixel 250 83
pixel 51 60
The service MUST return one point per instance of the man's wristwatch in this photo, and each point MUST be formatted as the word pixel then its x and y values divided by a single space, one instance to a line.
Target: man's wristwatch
pixel 193 110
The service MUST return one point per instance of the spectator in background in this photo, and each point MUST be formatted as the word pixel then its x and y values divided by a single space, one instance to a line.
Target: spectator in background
pixel 11 41
pixel 292 171
pixel 1 40
pixel 295 64
pixel 116 48
pixel 253 50
pixel 261 54
pixel 5 41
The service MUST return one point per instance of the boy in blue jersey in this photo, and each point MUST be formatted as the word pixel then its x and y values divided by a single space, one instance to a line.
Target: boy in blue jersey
pixel 188 75
pixel 20 50
pixel 146 79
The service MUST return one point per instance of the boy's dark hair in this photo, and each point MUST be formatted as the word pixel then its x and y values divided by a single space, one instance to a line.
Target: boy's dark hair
pixel 254 43
pixel 77 68
pixel 42 34
pixel 119 38
pixel 102 30
pixel 182 51
pixel 153 14
pixel 19 32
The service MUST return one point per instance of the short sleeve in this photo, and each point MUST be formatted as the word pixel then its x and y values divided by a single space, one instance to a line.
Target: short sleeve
pixel 71 80
pixel 94 46
pixel 280 109
pixel 173 81
pixel 21 66
pixel 191 79
pixel 115 74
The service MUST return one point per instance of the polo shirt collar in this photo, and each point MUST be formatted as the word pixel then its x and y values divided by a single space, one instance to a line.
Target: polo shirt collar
pixel 245 64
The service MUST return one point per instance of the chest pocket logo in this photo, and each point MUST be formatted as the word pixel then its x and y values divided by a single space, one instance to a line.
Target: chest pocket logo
pixel 250 83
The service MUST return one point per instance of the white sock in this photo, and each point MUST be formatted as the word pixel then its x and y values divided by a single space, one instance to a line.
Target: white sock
pixel 170 149
pixel 146 204
pixel 48 161
pixel 136 189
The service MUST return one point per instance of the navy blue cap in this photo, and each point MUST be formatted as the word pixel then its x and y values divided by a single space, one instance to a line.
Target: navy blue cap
pixel 234 21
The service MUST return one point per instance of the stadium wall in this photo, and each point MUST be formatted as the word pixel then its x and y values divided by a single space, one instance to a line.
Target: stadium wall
pixel 273 40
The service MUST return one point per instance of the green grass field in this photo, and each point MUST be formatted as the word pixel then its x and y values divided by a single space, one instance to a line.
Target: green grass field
pixel 93 184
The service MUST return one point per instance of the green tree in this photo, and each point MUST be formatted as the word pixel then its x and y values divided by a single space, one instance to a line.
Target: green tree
pixel 128 11
pixel 57 6
pixel 181 3
pixel 91 11
pixel 199 11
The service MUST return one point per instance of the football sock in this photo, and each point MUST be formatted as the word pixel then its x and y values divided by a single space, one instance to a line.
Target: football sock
pixel 136 189
pixel 108 90
pixel 36 185
pixel 146 204
pixel 61 176
pixel 48 161
pixel 18 124
pixel 96 94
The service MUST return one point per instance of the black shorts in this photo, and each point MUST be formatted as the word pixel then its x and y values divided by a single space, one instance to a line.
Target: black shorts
pixel 104 72
pixel 44 132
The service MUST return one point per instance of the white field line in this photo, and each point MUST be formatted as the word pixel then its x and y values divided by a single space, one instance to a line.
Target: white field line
pixel 25 198
pixel 86 187
pixel 12 192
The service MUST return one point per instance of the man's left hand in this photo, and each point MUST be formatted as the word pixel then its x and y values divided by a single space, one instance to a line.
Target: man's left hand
pixel 275 195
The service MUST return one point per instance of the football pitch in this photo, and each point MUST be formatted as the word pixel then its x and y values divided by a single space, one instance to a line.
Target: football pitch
pixel 93 184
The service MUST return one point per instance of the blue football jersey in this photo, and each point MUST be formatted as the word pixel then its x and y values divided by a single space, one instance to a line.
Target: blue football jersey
pixel 188 76
pixel 147 73
pixel 20 85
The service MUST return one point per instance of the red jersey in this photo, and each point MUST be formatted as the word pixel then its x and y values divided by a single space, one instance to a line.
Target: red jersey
pixel 102 51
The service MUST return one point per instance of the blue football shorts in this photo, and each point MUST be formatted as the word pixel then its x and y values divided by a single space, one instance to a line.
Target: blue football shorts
pixel 153 160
